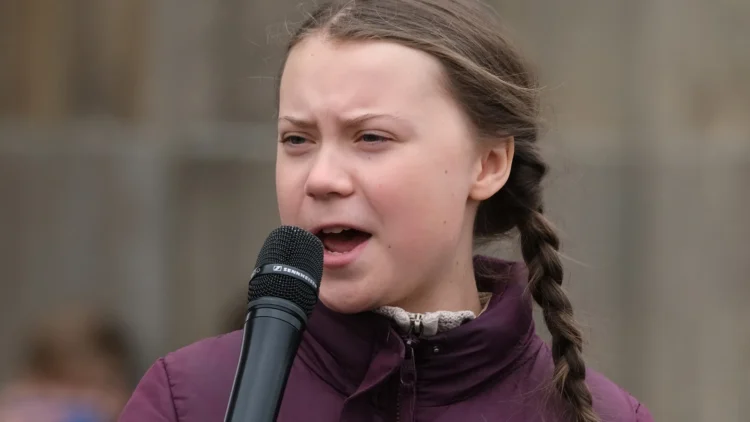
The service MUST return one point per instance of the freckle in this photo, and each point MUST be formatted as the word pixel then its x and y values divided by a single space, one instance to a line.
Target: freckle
pixel 445 221
pixel 389 246
pixel 446 172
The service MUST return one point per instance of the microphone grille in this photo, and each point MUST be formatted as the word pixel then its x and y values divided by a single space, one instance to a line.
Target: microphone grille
pixel 295 247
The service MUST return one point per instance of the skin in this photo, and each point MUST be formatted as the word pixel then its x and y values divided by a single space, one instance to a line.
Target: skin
pixel 369 138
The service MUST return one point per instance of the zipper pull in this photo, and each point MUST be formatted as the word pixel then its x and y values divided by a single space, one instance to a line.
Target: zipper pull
pixel 409 365
pixel 416 326
pixel 405 407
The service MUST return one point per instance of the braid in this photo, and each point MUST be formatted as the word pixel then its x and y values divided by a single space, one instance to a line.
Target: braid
pixel 539 245
pixel 522 198
pixel 519 204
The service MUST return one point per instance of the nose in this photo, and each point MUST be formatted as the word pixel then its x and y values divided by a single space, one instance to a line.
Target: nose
pixel 329 176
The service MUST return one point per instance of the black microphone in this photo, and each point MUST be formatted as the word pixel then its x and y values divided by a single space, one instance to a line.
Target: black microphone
pixel 282 294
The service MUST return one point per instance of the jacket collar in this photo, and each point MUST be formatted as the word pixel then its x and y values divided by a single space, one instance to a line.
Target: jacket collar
pixel 354 353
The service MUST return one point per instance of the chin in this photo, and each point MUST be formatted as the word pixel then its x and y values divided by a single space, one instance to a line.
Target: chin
pixel 347 302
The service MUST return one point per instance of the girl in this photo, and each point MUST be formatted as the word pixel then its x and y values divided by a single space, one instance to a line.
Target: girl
pixel 407 134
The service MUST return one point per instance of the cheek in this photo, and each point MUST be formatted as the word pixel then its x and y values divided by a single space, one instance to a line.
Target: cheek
pixel 420 203
pixel 288 194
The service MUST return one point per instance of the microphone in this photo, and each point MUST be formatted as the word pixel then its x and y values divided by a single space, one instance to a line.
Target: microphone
pixel 282 294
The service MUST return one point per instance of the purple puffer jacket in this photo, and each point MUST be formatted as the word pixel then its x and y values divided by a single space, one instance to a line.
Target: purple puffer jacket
pixel 357 368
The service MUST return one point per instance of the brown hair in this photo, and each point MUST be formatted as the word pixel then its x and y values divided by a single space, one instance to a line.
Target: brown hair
pixel 499 94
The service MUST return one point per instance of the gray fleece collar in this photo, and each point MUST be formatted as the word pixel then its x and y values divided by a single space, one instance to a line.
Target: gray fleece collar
pixel 430 323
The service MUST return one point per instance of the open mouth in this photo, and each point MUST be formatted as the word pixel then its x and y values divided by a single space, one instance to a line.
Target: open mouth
pixel 340 240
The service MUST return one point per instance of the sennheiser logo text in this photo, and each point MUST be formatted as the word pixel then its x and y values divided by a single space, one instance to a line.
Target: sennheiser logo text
pixel 289 270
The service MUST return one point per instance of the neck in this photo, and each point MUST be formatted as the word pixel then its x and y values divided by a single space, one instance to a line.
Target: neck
pixel 450 287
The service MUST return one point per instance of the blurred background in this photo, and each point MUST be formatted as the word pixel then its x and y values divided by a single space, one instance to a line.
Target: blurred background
pixel 137 143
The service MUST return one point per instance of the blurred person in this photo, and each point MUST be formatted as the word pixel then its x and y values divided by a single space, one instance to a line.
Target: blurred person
pixel 75 367
pixel 407 135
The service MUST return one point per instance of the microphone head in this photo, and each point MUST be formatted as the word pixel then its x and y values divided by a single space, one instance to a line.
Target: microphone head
pixel 291 247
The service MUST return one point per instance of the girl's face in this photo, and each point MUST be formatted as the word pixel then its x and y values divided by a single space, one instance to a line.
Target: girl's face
pixel 371 143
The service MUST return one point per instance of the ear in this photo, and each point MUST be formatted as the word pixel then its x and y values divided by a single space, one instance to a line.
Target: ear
pixel 492 169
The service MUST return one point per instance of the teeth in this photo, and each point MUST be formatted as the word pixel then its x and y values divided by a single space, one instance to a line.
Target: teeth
pixel 334 230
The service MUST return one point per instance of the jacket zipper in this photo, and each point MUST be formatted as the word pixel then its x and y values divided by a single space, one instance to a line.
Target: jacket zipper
pixel 408 373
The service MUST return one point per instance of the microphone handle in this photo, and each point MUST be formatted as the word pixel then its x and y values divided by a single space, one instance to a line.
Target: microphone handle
pixel 273 331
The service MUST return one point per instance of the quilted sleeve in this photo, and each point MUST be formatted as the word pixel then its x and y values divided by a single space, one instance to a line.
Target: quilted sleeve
pixel 152 399
pixel 641 412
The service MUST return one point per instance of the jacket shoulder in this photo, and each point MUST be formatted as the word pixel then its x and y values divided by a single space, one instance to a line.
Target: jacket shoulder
pixel 209 360
pixel 614 403
pixel 191 384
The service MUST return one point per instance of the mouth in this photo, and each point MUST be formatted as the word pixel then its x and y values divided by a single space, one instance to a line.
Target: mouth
pixel 341 239
pixel 342 244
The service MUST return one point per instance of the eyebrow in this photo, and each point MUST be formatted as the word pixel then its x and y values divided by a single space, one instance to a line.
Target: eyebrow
pixel 349 122
pixel 297 122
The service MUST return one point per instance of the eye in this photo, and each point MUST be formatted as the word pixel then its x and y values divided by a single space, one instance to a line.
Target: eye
pixel 373 138
pixel 294 140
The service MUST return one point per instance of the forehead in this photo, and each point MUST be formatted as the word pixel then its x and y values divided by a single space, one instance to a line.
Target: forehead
pixel 342 75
